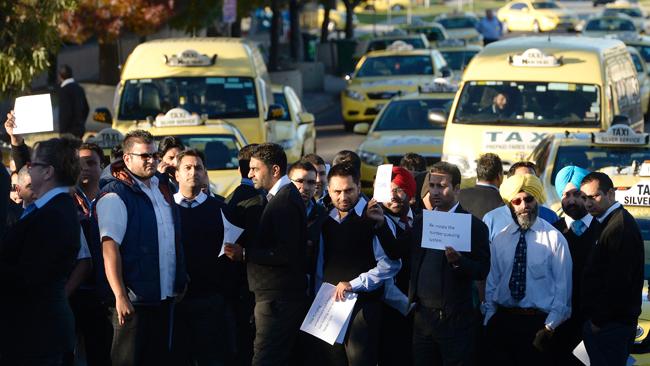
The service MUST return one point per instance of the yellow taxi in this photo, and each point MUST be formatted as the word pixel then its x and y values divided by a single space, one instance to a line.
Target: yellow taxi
pixel 380 43
pixel 458 54
pixel 634 11
pixel 381 75
pixel 641 43
pixel 619 25
pixel 295 130
pixel 461 26
pixel 404 126
pixel 536 16
pixel 644 79
pixel 434 31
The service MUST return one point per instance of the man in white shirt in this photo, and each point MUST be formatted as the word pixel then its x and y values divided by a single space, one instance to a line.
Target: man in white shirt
pixel 528 292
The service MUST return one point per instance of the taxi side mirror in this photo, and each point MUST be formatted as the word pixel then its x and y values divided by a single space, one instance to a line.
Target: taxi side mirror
pixel 305 118
pixel 437 117
pixel 275 112
pixel 103 115
pixel 361 128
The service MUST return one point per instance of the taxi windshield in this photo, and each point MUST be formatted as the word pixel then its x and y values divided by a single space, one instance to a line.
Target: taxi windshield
pixel 220 150
pixel 396 66
pixel 594 158
pixel 218 97
pixel 458 23
pixel 631 12
pixel 644 51
pixel 457 60
pixel 545 5
pixel 529 104
pixel 411 115
pixel 381 44
pixel 610 24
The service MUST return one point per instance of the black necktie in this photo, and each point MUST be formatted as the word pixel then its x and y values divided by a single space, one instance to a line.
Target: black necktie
pixel 517 282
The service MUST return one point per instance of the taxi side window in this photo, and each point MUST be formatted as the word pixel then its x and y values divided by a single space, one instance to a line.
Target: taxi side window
pixel 518 6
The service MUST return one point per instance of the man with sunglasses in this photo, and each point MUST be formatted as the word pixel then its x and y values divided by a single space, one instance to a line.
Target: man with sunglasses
pixel 143 258
pixel 528 291
pixel 613 276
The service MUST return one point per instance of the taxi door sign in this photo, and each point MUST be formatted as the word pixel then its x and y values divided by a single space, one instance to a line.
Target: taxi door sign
pixel 637 195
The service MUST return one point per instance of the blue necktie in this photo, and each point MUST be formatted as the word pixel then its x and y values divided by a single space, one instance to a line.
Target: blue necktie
pixel 517 282
pixel 578 227
pixel 29 209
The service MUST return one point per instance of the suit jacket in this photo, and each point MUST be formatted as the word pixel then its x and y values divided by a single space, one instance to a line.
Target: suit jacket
pixel 613 277
pixel 73 110
pixel 479 200
pixel 36 257
pixel 244 207
pixel 277 259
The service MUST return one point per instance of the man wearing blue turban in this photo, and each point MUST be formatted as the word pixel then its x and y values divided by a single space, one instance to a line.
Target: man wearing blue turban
pixel 581 232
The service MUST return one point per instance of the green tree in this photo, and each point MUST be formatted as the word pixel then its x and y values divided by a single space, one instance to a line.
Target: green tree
pixel 28 35
pixel 191 16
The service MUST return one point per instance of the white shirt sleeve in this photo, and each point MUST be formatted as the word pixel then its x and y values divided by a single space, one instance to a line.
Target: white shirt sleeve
pixel 112 217
pixel 84 252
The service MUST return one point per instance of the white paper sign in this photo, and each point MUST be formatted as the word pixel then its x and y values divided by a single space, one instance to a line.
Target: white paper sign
pixel 33 114
pixel 382 191
pixel 446 229
pixel 327 318
pixel 581 354
pixel 230 233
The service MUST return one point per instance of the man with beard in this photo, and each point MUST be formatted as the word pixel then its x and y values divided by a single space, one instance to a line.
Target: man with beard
pixel 581 232
pixel 528 292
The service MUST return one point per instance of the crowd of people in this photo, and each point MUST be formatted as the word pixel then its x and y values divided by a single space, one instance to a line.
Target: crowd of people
pixel 124 262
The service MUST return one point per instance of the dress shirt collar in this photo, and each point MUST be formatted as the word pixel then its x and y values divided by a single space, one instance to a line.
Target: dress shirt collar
pixel 67 81
pixel 182 201
pixel 358 209
pixel 452 209
pixel 611 208
pixel 279 184
pixel 586 219
pixel 487 185
pixel 49 195
pixel 247 182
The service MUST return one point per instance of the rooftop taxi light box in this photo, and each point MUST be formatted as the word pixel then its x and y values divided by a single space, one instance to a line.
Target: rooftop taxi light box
pixel 516 91
pixel 215 79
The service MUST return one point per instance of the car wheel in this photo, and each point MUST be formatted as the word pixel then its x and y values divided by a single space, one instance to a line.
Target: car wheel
pixel 536 27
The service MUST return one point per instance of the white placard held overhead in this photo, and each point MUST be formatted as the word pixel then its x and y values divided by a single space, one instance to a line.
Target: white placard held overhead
pixel 446 229
pixel 327 318
pixel 230 233
pixel 33 114
pixel 382 191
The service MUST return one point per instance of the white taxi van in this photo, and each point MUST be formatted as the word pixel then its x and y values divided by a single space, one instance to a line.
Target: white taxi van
pixel 516 91
pixel 216 79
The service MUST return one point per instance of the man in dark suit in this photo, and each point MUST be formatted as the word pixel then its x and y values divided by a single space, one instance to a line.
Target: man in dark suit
pixel 613 277
pixel 484 197
pixel 73 106
pixel 36 257
pixel 276 260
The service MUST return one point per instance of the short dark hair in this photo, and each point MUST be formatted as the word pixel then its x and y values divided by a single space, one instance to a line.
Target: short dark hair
pixel 489 167
pixel 304 165
pixel 443 167
pixel 344 170
pixel 347 156
pixel 313 159
pixel 605 183
pixel 140 136
pixel 244 157
pixel 271 154
pixel 413 162
pixel 62 154
pixel 522 164
pixel 189 152
pixel 168 143
pixel 96 149
pixel 117 152
pixel 65 72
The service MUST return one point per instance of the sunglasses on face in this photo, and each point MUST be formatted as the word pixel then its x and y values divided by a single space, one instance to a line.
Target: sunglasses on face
pixel 527 199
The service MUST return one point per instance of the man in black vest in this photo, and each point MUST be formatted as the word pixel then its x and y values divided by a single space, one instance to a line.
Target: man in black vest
pixel 200 331
pixel 73 106
pixel 276 260
pixel 613 276
pixel 441 281
pixel 581 231
pixel 352 258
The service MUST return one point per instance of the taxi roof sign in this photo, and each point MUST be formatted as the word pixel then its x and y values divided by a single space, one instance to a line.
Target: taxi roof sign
pixel 176 117
pixel 534 57
pixel 190 58
pixel 399 46
pixel 637 195
pixel 620 135
pixel 439 85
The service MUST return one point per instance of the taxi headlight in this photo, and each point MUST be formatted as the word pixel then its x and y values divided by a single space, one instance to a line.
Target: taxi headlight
pixel 460 161
pixel 352 94
pixel 370 158
pixel 287 144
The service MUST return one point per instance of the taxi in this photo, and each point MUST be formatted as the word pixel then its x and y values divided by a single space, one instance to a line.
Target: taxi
pixel 644 79
pixel 434 31
pixel 536 16
pixel 458 54
pixel 619 25
pixel 641 43
pixel 634 11
pixel 404 126
pixel 295 130
pixel 380 43
pixel 461 26
pixel 381 75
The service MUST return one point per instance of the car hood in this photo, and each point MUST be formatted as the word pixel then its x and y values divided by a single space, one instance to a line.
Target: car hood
pixel 225 181
pixel 396 83
pixel 423 142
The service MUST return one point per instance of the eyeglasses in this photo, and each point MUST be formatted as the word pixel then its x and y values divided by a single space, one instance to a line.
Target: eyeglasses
pixel 147 156
pixel 303 181
pixel 527 199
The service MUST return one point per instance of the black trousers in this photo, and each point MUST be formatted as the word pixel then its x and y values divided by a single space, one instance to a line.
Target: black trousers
pixel 94 330
pixel 361 346
pixel 144 339
pixel 511 339
pixel 201 326
pixel 32 360
pixel 610 345
pixel 396 338
pixel 277 323
pixel 242 309
pixel 440 340
pixel 567 336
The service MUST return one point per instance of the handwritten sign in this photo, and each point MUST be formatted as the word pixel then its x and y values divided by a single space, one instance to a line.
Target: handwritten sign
pixel 327 318
pixel 446 229
pixel 382 191
pixel 33 114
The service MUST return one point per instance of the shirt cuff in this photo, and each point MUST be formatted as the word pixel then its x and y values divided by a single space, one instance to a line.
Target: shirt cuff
pixel 357 285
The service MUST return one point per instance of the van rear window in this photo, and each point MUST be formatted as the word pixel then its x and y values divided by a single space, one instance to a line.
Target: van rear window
pixel 218 97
